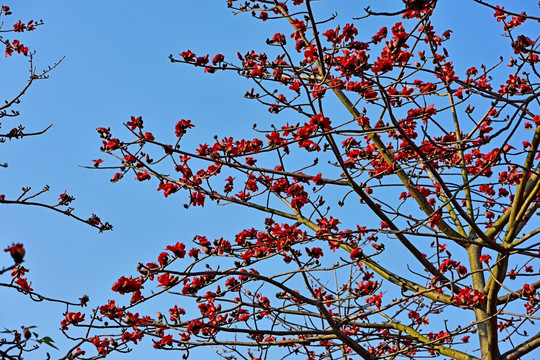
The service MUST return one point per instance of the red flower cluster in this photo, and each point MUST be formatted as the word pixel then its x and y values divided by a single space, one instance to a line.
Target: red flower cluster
pixel 111 310
pixel 71 318
pixel 19 26
pixel 16 46
pixel 182 126
pixel 127 285
pixel 469 298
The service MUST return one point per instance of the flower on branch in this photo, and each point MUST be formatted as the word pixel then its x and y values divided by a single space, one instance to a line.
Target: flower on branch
pixel 71 319
pixel 17 252
pixel 126 285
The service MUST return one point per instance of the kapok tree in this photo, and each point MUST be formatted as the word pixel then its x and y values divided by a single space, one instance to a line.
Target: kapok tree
pixel 407 228
pixel 15 343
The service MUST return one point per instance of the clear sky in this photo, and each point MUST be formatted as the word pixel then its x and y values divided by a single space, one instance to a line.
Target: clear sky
pixel 115 66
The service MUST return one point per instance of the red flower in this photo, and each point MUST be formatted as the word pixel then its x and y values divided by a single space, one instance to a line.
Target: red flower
pixel 23 283
pixel 278 38
pixel 448 264
pixel 136 297
pixel 116 177
pixel 485 258
pixel 168 188
pixel 197 199
pixel 148 136
pixel 218 59
pixel 315 252
pixel 356 254
pixel 101 346
pixel 300 28
pixel 166 280
pixel 321 121
pixel 17 252
pixel 435 220
pixel 182 126
pixel 194 253
pixel 244 196
pixel 499 13
pixel 18 47
pixel 295 86
pixel 163 258
pixel 188 56
pixel 77 353
pixel 130 159
pixel 176 312
pixel 141 176
pixel 9 50
pixel 349 32
pixel 136 122
pixel 381 34
pixel 19 26
pixel 528 290
pixel 111 310
pixel 194 327
pixel 202 60
pixel 72 318
pixel 126 285
pixel 469 298
pixel 19 271
pixel 134 336
pixel 65 199
pixel 112 144
pixel 179 250
pixel 462 270
pixel 375 300
pixel 317 179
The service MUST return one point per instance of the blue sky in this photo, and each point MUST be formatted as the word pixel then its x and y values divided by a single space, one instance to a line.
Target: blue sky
pixel 116 65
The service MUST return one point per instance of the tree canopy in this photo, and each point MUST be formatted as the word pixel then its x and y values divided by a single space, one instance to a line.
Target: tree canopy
pixel 400 188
